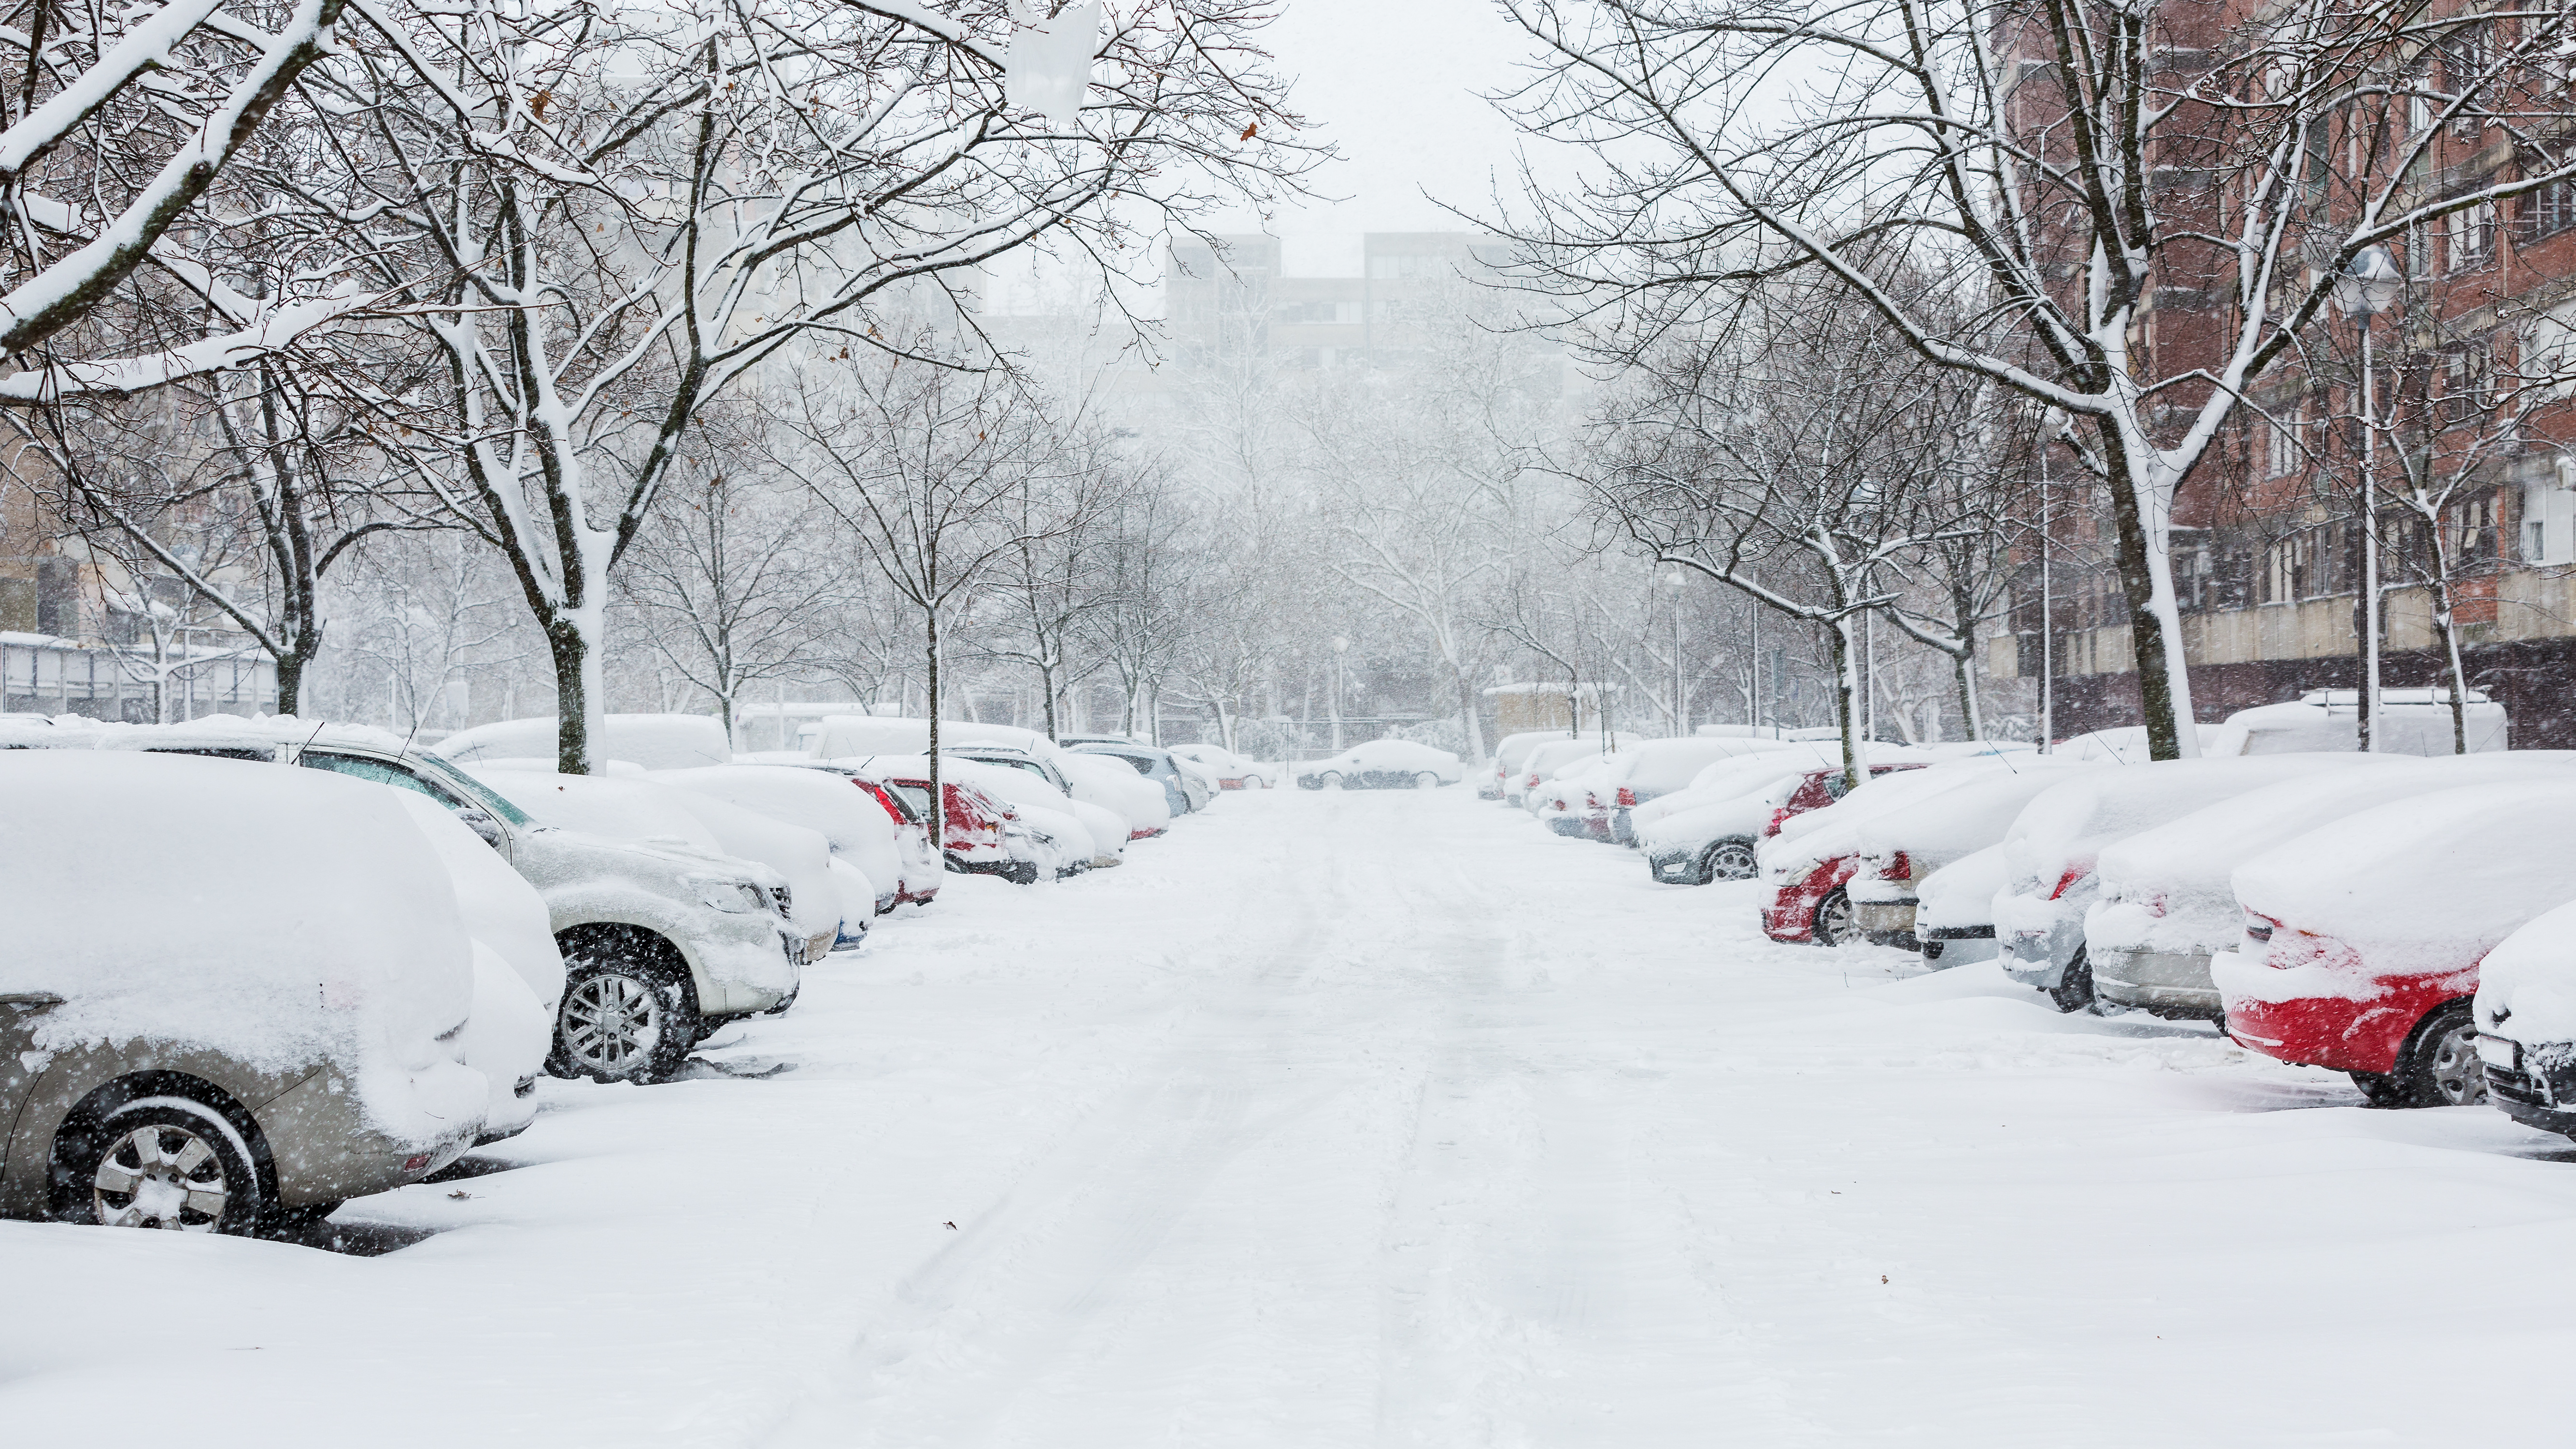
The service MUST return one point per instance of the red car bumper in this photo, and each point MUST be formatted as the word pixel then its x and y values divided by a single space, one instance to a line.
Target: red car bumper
pixel 1791 915
pixel 2343 1035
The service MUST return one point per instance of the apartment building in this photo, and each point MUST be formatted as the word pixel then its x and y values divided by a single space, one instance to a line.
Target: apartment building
pixel 2471 376
pixel 1252 302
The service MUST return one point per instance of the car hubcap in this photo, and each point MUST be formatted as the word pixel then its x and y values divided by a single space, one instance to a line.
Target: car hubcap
pixel 2458 1079
pixel 161 1177
pixel 610 1022
pixel 1732 863
pixel 1833 921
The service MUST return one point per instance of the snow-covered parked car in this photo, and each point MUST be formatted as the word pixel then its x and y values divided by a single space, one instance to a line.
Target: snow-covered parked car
pixel 1113 784
pixel 980 834
pixel 1808 862
pixel 852 821
pixel 174 1055
pixel 2411 722
pixel 1954 908
pixel 2525 1012
pixel 2167 899
pixel 1077 837
pixel 682 934
pixel 1652 769
pixel 647 741
pixel 1382 765
pixel 2363 938
pixel 1565 803
pixel 1711 831
pixel 1547 754
pixel 1182 790
pixel 1232 771
pixel 2058 839
pixel 1035 782
pixel 1898 848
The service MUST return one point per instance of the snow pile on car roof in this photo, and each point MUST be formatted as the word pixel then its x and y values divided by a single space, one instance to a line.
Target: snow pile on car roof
pixel 2172 888
pixel 2066 827
pixel 2527 984
pixel 280 917
pixel 849 819
pixel 653 741
pixel 2421 886
pixel 1960 808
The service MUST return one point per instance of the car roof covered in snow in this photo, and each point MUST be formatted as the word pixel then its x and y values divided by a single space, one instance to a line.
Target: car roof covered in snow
pixel 653 741
pixel 2064 828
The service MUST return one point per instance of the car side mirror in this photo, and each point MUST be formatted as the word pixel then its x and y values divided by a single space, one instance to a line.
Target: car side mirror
pixel 30 1000
pixel 483 825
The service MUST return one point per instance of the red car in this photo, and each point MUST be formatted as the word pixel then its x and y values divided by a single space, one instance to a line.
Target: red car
pixel 2363 939
pixel 1792 913
pixel 975 841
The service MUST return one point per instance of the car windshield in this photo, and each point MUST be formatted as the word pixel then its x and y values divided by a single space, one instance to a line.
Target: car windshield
pixel 475 790
pixel 916 796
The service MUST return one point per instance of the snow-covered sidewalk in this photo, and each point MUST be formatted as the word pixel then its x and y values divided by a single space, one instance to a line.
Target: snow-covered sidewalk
pixel 1361 1119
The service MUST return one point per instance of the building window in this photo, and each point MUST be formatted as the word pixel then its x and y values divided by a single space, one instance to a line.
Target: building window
pixel 2285 453
pixel 2549 525
pixel 2550 210
pixel 2473 237
pixel 2469 530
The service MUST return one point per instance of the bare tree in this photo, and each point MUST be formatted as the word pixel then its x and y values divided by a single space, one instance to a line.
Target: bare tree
pixel 2069 165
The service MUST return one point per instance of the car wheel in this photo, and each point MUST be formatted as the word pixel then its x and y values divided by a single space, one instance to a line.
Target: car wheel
pixel 2074 990
pixel 163 1162
pixel 628 1014
pixel 2378 1091
pixel 1833 920
pixel 2441 1069
pixel 1329 780
pixel 1728 860
pixel 1426 780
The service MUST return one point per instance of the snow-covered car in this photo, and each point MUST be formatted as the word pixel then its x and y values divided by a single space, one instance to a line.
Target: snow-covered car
pixel 1954 908
pixel 1897 848
pixel 2056 841
pixel 1545 754
pixel 1079 836
pixel 170 1055
pixel 842 736
pixel 1044 785
pixel 661 940
pixel 1711 830
pixel 2167 901
pixel 852 821
pixel 648 741
pixel 1113 783
pixel 2411 722
pixel 2363 938
pixel 2525 1012
pixel 1182 793
pixel 980 834
pixel 1565 804
pixel 1810 858
pixel 1510 752
pixel 1231 771
pixel 1651 769
pixel 1382 765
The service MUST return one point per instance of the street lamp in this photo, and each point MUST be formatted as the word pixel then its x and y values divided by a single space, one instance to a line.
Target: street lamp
pixel 2363 290
pixel 1341 646
pixel 1677 578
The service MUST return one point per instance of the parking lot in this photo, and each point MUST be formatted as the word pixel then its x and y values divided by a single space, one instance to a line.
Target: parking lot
pixel 1354 1118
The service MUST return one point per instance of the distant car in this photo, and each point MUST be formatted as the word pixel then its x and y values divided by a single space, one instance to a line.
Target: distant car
pixel 649 741
pixel 1653 769
pixel 2057 840
pixel 1899 847
pixel 1383 765
pixel 1544 755
pixel 1711 831
pixel 979 835
pixel 2363 939
pixel 1233 771
pixel 170 1057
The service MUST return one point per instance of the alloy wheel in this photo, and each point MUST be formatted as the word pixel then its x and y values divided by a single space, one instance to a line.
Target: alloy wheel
pixel 610 1022
pixel 160 1176
pixel 2452 1074
pixel 1833 920
pixel 1732 861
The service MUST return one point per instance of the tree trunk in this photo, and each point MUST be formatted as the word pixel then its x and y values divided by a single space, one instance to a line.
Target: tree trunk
pixel 1467 714
pixel 1847 702
pixel 938 792
pixel 576 667
pixel 290 680
pixel 2155 623
pixel 2451 653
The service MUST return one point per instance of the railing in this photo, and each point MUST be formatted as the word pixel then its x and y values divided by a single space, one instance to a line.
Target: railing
pixel 40 675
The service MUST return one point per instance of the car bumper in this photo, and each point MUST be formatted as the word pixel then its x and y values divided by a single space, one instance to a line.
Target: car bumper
pixel 2040 958
pixel 323 1153
pixel 2335 1032
pixel 1947 946
pixel 2172 984
pixel 1886 923
pixel 2529 1092
pixel 1679 867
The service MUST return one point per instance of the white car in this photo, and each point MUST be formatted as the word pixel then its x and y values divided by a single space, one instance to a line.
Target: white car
pixel 2057 840
pixel 1383 765
pixel 1230 770
pixel 1089 837
pixel 1113 784
pixel 1653 769
pixel 1954 908
pixel 1900 847
pixel 1531 764
pixel 854 827
pixel 1715 829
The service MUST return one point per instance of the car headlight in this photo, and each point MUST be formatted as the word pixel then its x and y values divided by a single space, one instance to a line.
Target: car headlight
pixel 735 896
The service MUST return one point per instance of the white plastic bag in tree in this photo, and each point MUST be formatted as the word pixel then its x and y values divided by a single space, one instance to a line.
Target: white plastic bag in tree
pixel 1049 65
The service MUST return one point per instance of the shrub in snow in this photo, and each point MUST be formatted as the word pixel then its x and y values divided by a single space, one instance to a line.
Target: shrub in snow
pixel 283 919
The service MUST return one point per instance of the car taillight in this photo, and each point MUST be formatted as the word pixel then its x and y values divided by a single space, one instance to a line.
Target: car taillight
pixel 1533 783
pixel 1627 798
pixel 2074 876
pixel 1897 868
pixel 1779 813
pixel 2154 904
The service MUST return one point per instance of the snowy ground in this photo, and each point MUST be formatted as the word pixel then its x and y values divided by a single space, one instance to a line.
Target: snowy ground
pixel 1375 1119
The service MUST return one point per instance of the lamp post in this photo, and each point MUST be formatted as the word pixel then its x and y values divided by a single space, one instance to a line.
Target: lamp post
pixel 1678 579
pixel 1341 646
pixel 2362 291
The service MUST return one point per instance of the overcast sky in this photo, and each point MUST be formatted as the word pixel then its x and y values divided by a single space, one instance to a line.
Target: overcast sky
pixel 1394 84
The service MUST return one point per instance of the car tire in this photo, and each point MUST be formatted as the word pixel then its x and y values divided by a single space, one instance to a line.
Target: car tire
pixel 1728 860
pixel 2377 1090
pixel 2074 990
pixel 1329 780
pixel 2439 1067
pixel 1834 925
pixel 628 1013
pixel 161 1162
pixel 1426 780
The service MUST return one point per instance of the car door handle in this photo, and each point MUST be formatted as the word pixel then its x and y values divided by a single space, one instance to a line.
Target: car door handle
pixel 30 1000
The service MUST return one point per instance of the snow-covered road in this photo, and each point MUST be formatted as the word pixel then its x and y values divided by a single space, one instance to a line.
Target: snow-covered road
pixel 1375 1120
